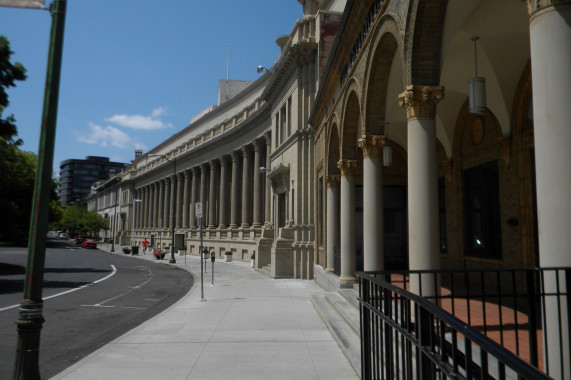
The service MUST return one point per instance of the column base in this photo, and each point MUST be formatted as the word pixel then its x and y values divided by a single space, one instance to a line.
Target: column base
pixel 347 282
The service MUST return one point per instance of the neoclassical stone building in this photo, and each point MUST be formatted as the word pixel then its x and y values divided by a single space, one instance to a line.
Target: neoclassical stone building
pixel 247 161
pixel 442 133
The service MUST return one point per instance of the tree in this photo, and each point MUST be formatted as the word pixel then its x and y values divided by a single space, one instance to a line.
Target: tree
pixel 78 221
pixel 17 168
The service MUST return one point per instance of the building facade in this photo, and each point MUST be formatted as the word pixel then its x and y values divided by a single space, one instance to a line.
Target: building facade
pixel 247 163
pixel 441 132
pixel 77 176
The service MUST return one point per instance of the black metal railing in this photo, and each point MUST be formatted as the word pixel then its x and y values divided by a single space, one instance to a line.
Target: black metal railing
pixel 467 324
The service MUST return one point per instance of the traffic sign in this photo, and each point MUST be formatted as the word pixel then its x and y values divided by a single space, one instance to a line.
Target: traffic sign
pixel 198 209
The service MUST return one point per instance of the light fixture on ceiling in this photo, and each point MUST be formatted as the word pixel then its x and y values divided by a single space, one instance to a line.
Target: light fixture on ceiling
pixel 387 150
pixel 477 87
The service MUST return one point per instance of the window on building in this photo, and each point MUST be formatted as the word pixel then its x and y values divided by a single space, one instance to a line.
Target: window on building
pixel 289 116
pixel 283 123
pixel 482 232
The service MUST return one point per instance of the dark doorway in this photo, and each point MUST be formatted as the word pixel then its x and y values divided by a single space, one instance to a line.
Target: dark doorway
pixel 482 237
pixel 395 227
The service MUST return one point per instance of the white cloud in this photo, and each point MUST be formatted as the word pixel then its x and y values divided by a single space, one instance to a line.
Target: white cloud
pixel 147 123
pixel 105 136
pixel 158 112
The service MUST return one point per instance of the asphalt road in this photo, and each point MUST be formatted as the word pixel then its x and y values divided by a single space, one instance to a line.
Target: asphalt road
pixel 90 298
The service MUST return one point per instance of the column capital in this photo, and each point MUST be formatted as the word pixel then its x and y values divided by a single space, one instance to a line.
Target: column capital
pixel 372 145
pixel 222 160
pixel 268 138
pixel 535 6
pixel 235 155
pixel 257 145
pixel 333 181
pixel 421 101
pixel 246 150
pixel 348 167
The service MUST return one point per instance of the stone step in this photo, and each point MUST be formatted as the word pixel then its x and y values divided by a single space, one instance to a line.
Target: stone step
pixel 345 309
pixel 341 326
pixel 351 295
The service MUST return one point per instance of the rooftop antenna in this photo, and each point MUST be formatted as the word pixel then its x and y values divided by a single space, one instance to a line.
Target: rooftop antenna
pixel 227 67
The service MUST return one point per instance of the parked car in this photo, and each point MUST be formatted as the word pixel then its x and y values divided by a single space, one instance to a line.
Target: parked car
pixel 80 239
pixel 89 243
pixel 63 235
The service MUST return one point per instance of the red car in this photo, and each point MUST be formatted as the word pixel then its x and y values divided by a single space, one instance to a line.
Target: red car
pixel 89 243
pixel 80 239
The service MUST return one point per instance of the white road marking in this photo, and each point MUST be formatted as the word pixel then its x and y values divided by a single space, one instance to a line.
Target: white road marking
pixel 71 290
pixel 127 292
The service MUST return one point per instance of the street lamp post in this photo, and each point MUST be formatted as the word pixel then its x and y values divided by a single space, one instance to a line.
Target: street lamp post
pixel 173 202
pixel 135 201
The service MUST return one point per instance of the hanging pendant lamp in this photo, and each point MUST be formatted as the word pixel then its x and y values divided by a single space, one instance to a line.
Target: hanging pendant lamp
pixel 477 88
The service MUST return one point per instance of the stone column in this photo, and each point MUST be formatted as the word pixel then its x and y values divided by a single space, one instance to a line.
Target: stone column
pixel 149 208
pixel 141 211
pixel 348 260
pixel 373 231
pixel 223 216
pixel 246 187
pixel 235 201
pixel 332 220
pixel 161 214
pixel 193 197
pixel 180 204
pixel 172 202
pixel 186 199
pixel 156 187
pixel 167 203
pixel 257 199
pixel 267 184
pixel 550 42
pixel 212 196
pixel 203 188
pixel 424 250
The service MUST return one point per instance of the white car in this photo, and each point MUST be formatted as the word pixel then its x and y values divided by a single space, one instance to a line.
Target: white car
pixel 63 235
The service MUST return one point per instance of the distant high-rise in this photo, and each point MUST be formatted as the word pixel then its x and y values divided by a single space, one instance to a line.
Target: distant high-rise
pixel 77 176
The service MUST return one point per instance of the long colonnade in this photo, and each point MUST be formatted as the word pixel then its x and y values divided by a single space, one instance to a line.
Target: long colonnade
pixel 234 193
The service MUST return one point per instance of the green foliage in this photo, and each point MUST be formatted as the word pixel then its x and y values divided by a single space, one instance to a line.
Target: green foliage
pixel 17 168
pixel 79 221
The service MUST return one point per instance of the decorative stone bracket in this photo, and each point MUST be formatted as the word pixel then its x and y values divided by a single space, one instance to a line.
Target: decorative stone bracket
pixel 279 179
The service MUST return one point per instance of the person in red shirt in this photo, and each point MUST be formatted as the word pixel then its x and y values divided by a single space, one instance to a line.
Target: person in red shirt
pixel 145 244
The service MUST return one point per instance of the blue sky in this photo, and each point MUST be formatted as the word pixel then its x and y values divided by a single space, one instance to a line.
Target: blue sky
pixel 135 72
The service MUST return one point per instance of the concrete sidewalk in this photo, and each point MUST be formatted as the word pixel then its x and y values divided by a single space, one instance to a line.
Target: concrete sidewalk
pixel 250 327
